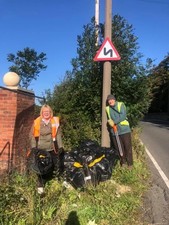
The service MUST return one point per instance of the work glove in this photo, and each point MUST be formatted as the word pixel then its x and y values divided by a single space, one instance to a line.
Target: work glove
pixel 111 122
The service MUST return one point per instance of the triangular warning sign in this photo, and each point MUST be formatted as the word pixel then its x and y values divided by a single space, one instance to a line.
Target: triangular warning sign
pixel 107 52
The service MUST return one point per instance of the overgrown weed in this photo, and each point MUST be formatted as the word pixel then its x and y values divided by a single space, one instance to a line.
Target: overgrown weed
pixel 113 202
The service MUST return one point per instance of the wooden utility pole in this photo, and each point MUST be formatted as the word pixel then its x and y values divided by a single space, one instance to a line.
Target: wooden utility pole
pixel 105 140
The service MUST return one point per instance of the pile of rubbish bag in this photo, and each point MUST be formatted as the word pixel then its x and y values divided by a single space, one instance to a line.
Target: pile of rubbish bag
pixel 89 164
pixel 86 164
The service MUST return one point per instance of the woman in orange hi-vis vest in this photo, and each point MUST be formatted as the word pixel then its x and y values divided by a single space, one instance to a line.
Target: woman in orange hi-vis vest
pixel 46 136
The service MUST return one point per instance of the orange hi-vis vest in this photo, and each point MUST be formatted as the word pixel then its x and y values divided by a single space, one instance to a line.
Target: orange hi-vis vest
pixel 54 122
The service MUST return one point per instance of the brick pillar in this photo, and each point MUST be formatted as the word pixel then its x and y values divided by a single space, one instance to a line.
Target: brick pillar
pixel 16 119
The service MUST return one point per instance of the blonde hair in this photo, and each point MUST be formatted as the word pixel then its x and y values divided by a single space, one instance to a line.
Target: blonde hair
pixel 46 107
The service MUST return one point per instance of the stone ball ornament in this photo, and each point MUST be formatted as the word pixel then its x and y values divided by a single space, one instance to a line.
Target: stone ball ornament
pixel 11 79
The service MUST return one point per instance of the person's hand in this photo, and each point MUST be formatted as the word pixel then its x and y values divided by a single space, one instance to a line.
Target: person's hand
pixel 111 122
pixel 28 153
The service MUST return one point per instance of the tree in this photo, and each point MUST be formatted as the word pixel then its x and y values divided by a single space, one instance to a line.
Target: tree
pixel 160 86
pixel 79 97
pixel 130 81
pixel 27 64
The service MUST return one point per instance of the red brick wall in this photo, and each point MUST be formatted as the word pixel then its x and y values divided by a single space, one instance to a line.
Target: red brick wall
pixel 16 119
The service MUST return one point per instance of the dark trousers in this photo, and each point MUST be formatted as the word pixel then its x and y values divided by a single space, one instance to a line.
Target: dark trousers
pixel 126 144
pixel 42 179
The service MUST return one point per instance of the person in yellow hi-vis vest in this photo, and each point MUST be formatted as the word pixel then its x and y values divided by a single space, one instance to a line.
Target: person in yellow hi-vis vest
pixel 120 132
pixel 46 136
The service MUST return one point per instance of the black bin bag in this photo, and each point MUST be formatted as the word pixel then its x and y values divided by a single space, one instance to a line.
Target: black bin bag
pixel 89 164
pixel 40 161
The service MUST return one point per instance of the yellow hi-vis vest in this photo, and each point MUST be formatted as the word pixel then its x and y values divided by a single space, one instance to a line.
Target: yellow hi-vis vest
pixel 124 122
pixel 54 122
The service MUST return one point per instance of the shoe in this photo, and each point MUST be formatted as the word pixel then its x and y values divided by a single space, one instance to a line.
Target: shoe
pixel 40 190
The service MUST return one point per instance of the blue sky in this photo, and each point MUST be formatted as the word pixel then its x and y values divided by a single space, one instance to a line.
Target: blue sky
pixel 52 26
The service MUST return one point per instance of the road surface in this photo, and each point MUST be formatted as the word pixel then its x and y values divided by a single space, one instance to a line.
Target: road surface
pixel 155 137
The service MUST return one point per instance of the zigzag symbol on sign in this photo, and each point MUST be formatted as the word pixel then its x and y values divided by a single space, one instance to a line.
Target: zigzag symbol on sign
pixel 107 52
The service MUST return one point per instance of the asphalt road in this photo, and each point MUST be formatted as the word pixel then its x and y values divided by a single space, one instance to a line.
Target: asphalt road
pixel 155 137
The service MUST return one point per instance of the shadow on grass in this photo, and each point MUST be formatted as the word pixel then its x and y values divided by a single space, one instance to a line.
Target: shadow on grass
pixel 72 219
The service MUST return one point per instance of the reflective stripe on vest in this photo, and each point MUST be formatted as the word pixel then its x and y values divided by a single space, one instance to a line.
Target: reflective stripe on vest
pixel 54 122
pixel 124 122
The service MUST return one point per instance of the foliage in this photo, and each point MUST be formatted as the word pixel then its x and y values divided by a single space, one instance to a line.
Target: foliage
pixel 159 79
pixel 37 111
pixel 27 64
pixel 129 77
pixel 78 99
pixel 116 201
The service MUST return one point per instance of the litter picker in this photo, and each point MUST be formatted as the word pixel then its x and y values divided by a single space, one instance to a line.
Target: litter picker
pixel 118 140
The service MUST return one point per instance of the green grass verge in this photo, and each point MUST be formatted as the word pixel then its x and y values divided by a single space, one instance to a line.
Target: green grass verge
pixel 113 202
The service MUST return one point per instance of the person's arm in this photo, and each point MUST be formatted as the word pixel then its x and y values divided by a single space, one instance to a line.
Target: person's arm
pixel 59 138
pixel 34 140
